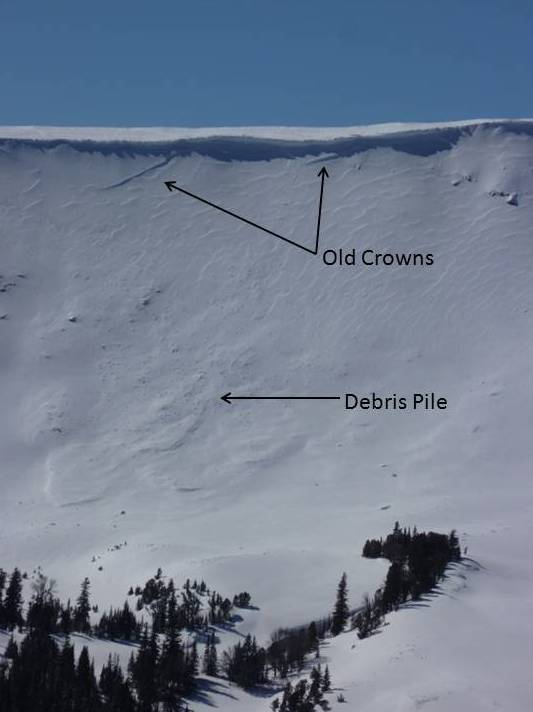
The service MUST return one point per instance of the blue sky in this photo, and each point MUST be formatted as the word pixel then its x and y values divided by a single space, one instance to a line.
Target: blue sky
pixel 244 62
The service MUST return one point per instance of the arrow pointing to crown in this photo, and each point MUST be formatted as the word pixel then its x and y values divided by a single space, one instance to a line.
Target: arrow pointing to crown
pixel 173 186
pixel 323 174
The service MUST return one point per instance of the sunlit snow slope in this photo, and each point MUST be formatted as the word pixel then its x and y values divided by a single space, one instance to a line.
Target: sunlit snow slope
pixel 127 311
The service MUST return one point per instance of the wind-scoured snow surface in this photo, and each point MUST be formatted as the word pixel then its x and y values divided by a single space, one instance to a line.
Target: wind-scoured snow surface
pixel 127 311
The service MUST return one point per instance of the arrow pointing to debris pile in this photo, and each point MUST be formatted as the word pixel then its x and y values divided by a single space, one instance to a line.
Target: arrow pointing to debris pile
pixel 229 398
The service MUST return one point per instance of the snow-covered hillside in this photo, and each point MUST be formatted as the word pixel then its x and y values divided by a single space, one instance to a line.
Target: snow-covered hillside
pixel 126 311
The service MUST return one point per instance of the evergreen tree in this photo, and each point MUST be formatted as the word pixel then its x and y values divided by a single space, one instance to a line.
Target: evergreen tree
pixel 369 618
pixel 143 670
pixel 341 612
pixel 65 619
pixel 12 608
pixel 11 650
pixel 194 659
pixel 245 663
pixel 242 600
pixel 373 548
pixel 172 607
pixel 326 680
pixel 3 577
pixel 44 609
pixel 115 689
pixel 392 592
pixel 210 662
pixel 82 610
pixel 33 674
pixel 86 697
pixel 118 624
pixel 455 548
pixel 313 641
pixel 66 678
pixel 315 690
pixel 173 673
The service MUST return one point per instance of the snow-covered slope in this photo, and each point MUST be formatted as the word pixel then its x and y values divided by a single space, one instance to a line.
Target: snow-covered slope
pixel 128 311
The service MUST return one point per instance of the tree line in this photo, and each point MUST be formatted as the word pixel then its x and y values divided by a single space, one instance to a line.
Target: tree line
pixel 305 695
pixel 166 607
pixel 39 674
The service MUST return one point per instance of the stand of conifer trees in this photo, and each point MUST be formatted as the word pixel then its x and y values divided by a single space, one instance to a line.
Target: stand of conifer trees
pixel 305 695
pixel 418 563
pixel 40 675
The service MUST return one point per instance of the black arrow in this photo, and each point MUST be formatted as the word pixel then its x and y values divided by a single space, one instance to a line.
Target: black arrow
pixel 323 175
pixel 228 398
pixel 171 185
